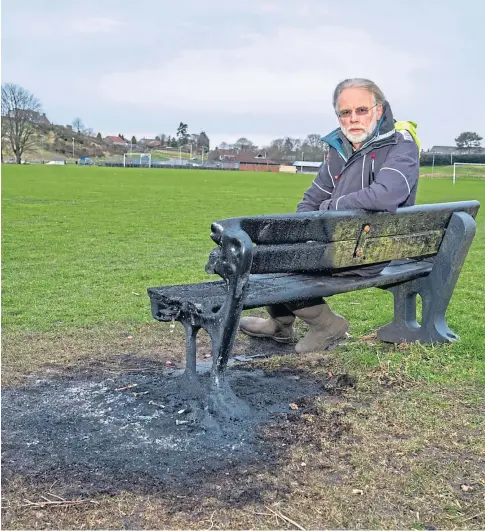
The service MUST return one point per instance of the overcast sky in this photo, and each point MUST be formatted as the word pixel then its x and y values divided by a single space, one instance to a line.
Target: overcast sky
pixel 254 68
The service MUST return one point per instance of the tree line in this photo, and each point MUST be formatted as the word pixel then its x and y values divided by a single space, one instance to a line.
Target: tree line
pixel 21 112
pixel 287 149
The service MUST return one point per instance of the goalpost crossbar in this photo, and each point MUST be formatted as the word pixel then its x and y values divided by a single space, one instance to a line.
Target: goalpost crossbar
pixel 142 156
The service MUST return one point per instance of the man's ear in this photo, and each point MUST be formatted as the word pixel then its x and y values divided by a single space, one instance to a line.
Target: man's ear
pixel 380 110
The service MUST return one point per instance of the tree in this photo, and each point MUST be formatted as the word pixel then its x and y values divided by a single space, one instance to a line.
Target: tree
pixel 203 141
pixel 77 125
pixel 20 114
pixel 193 140
pixel 288 146
pixel 182 135
pixel 99 137
pixel 133 139
pixel 243 144
pixel 314 141
pixel 468 140
pixel 314 148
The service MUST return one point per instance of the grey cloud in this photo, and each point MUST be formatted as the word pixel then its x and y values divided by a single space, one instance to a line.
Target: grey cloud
pixel 427 56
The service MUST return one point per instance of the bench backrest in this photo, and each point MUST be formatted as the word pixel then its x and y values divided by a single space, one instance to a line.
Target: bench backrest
pixel 324 241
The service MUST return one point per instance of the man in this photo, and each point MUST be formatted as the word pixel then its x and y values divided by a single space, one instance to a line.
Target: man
pixel 370 166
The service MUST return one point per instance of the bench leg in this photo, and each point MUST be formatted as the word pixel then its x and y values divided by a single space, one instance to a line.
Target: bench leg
pixel 435 290
pixel 190 349
pixel 234 266
pixel 222 400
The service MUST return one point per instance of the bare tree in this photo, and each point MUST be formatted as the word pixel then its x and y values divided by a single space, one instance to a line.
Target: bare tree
pixel 20 114
pixel 243 144
pixel 77 125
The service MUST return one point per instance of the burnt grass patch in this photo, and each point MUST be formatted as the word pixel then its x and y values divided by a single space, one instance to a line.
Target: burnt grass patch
pixel 392 452
pixel 91 433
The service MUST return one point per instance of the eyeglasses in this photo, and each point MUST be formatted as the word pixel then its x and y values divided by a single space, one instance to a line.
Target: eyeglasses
pixel 360 111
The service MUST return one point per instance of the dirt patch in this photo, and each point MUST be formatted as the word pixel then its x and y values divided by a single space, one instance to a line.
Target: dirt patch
pixel 143 431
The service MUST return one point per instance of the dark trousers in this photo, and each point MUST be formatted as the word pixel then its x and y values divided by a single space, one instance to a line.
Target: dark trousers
pixel 286 309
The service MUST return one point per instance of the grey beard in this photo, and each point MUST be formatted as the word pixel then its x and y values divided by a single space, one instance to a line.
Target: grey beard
pixel 367 137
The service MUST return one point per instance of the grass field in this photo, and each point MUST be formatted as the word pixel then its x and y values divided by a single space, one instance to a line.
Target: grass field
pixel 462 172
pixel 81 245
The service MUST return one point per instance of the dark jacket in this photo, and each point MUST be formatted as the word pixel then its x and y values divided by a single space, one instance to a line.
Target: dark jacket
pixel 381 175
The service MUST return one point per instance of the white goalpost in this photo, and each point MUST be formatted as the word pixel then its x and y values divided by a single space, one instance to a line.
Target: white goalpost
pixel 455 164
pixel 138 159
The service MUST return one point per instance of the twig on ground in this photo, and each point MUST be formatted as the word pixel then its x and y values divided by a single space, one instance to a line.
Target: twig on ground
pixel 60 502
pixel 283 517
pixel 255 512
pixel 472 517
pixel 56 496
pixel 152 403
pixel 211 521
pixel 130 386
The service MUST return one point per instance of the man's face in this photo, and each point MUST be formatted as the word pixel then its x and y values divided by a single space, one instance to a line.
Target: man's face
pixel 358 127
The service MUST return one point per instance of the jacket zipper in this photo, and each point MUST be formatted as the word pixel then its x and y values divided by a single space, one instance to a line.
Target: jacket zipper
pixel 355 156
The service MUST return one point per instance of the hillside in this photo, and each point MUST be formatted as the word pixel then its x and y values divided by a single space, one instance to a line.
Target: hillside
pixel 55 142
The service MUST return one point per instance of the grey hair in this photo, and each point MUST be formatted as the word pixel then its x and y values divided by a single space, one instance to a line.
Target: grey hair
pixel 358 82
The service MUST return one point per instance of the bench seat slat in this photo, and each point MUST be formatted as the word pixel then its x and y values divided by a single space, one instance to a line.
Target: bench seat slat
pixel 267 289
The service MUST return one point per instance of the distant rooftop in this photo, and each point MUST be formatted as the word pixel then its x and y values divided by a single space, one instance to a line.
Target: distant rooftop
pixel 453 150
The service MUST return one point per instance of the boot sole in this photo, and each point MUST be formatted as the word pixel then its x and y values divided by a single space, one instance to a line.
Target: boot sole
pixel 278 339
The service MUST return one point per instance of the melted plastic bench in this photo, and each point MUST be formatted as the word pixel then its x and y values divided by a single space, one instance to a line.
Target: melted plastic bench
pixel 281 258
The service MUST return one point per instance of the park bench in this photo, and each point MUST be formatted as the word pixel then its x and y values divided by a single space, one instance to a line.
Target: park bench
pixel 273 259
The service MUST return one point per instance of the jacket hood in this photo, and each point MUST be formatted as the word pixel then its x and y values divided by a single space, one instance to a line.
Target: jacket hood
pixel 384 129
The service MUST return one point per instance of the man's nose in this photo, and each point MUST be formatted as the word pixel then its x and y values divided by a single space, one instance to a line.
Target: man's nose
pixel 353 117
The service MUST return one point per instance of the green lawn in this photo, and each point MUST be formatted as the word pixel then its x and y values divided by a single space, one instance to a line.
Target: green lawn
pixel 403 450
pixel 81 245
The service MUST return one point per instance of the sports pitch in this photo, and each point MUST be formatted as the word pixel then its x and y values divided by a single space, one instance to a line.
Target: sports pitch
pixel 80 245
pixel 404 449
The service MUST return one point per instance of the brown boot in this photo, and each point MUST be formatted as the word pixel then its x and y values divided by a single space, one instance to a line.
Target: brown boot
pixel 326 327
pixel 278 328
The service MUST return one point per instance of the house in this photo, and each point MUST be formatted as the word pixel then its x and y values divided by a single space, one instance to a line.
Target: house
pixel 31 116
pixel 150 142
pixel 154 143
pixel 116 141
pixel 226 154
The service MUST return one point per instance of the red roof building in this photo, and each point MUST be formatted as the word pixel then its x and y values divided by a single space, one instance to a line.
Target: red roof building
pixel 116 140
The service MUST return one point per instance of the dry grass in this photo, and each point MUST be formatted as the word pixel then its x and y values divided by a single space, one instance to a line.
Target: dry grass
pixel 24 354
